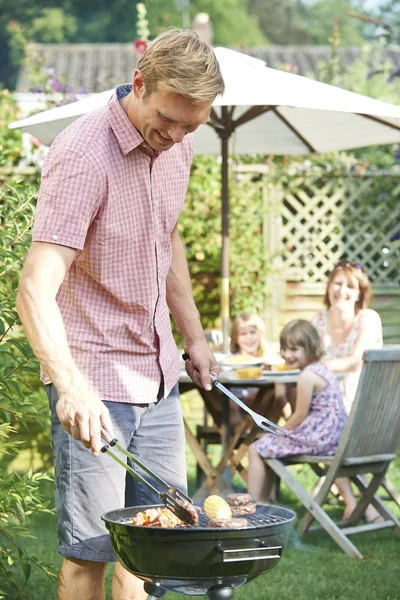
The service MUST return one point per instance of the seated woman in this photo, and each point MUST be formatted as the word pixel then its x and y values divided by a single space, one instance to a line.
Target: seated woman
pixel 347 327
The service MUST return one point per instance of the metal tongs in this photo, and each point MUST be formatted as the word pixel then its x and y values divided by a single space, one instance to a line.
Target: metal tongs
pixel 261 422
pixel 173 498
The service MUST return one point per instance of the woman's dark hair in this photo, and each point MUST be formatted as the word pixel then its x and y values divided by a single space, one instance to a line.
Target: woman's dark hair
pixel 302 333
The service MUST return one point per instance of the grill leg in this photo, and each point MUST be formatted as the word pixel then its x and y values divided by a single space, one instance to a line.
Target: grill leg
pixel 153 591
pixel 220 593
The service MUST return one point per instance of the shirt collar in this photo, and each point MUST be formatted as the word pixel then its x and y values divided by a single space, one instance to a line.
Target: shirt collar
pixel 128 137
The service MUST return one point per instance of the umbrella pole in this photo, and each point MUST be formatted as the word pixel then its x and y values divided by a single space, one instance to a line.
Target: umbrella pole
pixel 225 245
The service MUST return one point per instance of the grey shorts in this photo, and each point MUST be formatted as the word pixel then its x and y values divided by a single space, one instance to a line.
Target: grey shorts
pixel 86 486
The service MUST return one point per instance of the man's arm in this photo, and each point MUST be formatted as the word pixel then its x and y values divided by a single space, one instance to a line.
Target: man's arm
pixel 80 412
pixel 181 303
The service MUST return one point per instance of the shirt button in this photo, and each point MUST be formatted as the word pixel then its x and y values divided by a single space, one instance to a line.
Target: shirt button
pixel 55 237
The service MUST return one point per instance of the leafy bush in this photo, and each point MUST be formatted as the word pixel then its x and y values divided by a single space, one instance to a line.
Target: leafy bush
pixel 200 229
pixel 22 407
pixel 19 498
pixel 10 139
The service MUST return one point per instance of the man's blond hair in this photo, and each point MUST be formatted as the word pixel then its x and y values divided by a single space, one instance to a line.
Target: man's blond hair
pixel 177 61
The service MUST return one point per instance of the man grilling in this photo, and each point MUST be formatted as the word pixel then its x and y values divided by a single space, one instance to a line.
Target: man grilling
pixel 106 263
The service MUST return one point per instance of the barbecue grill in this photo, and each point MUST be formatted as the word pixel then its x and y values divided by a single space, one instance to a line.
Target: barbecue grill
pixel 199 560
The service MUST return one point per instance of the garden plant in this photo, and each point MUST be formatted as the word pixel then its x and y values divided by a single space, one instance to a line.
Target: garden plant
pixel 28 555
pixel 22 410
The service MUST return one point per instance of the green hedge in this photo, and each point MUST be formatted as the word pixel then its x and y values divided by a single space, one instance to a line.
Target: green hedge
pixel 200 229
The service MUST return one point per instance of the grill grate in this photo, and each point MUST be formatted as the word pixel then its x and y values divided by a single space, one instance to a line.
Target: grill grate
pixel 264 516
pixel 257 519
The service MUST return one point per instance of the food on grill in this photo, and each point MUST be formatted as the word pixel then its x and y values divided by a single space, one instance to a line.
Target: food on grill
pixel 155 517
pixel 215 507
pixel 191 512
pixel 249 373
pixel 240 511
pixel 241 504
pixel 228 523
pixel 239 499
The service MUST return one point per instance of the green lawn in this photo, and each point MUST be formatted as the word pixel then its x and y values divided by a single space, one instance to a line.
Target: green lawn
pixel 312 568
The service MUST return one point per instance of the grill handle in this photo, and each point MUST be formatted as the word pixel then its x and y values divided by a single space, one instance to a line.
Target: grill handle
pixel 262 552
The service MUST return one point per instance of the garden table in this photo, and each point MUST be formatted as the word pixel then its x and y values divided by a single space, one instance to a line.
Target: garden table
pixel 231 455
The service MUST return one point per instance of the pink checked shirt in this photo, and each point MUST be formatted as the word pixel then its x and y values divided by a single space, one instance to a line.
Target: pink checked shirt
pixel 102 194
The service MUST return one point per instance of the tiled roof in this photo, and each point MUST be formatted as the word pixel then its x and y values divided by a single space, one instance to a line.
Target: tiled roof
pixel 308 58
pixel 93 67
pixel 97 67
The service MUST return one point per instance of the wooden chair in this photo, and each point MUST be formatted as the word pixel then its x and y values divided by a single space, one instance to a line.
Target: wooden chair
pixel 368 445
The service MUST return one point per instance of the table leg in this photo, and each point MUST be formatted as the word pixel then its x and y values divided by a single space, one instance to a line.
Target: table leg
pixel 226 457
pixel 218 480
pixel 214 482
pixel 230 456
pixel 225 437
pixel 236 458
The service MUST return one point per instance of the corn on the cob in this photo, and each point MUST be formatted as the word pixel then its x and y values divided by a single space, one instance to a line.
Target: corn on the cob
pixel 280 367
pixel 215 507
pixel 249 373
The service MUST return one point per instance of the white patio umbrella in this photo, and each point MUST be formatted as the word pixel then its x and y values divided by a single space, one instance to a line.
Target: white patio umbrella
pixel 277 113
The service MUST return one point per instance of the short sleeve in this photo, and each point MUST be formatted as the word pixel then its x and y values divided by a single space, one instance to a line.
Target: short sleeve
pixel 69 197
pixel 317 320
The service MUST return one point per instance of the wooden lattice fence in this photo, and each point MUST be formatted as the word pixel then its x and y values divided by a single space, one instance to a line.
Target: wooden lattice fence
pixel 327 219
pixel 319 220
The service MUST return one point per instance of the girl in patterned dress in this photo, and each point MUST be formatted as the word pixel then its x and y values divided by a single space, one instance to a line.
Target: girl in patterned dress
pixel 319 418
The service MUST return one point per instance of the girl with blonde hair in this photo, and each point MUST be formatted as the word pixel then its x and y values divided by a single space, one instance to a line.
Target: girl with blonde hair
pixel 248 340
pixel 248 335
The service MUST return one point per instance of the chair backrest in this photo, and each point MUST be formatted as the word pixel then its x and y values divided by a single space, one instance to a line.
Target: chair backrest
pixel 214 338
pixel 373 426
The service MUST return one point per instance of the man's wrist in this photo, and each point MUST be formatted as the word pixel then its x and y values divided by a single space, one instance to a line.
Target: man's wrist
pixel 68 380
pixel 194 339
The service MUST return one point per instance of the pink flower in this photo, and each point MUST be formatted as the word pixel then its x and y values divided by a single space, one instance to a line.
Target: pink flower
pixel 139 47
pixel 291 68
pixel 35 141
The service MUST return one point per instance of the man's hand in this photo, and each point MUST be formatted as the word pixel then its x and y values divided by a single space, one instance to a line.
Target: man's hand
pixel 201 363
pixel 83 418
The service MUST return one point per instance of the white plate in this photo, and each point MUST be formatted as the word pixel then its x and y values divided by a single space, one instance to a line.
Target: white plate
pixel 238 365
pixel 232 375
pixel 287 372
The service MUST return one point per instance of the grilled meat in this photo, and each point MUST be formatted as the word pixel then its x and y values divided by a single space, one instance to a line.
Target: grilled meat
pixel 241 504
pixel 155 517
pixel 228 523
